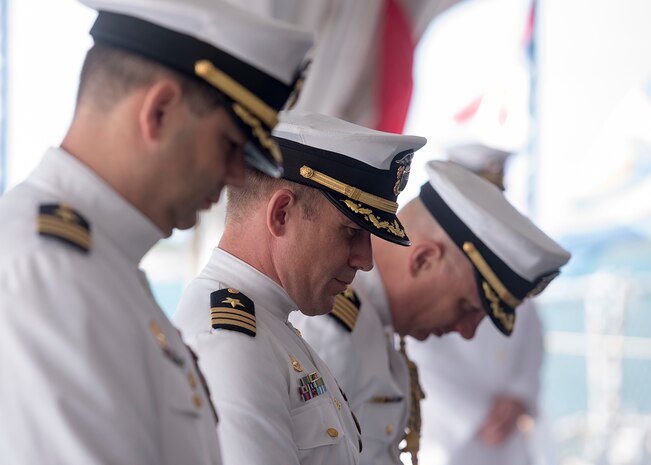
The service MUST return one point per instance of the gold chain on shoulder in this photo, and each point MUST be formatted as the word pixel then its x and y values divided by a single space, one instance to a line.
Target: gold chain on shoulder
pixel 414 422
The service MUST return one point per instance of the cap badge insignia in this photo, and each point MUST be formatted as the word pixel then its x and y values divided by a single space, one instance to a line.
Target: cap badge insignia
pixel 298 85
pixel 402 175
pixel 543 283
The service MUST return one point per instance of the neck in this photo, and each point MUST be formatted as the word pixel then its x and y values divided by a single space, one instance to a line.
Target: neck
pixel 250 245
pixel 386 260
pixel 109 147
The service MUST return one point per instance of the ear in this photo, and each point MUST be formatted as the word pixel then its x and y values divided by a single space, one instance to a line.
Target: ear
pixel 424 256
pixel 157 106
pixel 279 210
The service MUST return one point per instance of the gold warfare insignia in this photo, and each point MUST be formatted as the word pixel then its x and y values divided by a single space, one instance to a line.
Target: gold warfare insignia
pixel 62 222
pixel 295 363
pixel 346 309
pixel 402 175
pixel 233 314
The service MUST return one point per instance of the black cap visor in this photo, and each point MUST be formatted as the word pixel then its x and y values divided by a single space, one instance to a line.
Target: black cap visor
pixel 379 223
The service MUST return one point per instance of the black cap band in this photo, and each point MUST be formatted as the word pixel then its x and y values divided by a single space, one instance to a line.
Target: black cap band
pixel 460 234
pixel 181 52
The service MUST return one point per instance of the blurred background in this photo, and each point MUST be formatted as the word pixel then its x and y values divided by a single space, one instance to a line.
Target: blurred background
pixel 565 86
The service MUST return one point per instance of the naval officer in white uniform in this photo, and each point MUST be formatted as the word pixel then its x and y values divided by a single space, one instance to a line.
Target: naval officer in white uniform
pixel 292 244
pixel 91 371
pixel 478 391
pixel 472 255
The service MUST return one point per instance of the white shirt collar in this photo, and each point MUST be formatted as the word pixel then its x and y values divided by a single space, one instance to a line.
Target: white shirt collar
pixel 108 213
pixel 233 272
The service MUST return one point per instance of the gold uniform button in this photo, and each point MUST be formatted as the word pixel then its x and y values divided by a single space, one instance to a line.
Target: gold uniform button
pixel 196 399
pixel 193 380
pixel 333 433
pixel 337 404
pixel 389 429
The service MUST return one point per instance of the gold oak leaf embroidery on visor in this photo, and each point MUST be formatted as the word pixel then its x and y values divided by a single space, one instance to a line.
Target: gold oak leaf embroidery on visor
pixel 506 319
pixel 394 228
pixel 258 131
pixel 489 275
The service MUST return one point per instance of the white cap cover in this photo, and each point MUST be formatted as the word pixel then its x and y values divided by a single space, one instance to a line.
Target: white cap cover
pixel 360 170
pixel 255 62
pixel 512 257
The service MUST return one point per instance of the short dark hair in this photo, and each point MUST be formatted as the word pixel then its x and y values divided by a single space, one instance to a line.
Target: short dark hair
pixel 109 74
pixel 259 186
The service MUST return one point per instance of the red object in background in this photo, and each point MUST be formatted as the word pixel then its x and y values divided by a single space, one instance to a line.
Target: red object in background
pixel 396 61
pixel 468 112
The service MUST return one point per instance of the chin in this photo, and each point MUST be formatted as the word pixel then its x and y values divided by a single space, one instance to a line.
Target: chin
pixel 319 308
pixel 186 223
pixel 420 334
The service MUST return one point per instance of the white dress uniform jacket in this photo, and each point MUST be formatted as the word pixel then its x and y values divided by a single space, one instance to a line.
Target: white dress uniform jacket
pixel 370 370
pixel 461 378
pixel 91 370
pixel 254 380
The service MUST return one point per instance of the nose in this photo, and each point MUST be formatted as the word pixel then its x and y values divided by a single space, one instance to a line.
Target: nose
pixel 468 326
pixel 361 253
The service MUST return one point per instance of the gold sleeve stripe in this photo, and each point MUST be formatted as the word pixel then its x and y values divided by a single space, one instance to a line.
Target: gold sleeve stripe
pixel 489 275
pixel 71 232
pixel 56 222
pixel 219 316
pixel 228 321
pixel 232 313
pixel 62 230
pixel 349 191
pixel 239 93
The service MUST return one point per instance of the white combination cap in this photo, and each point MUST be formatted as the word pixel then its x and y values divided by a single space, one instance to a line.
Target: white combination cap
pixel 360 170
pixel 513 259
pixel 487 162
pixel 256 63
